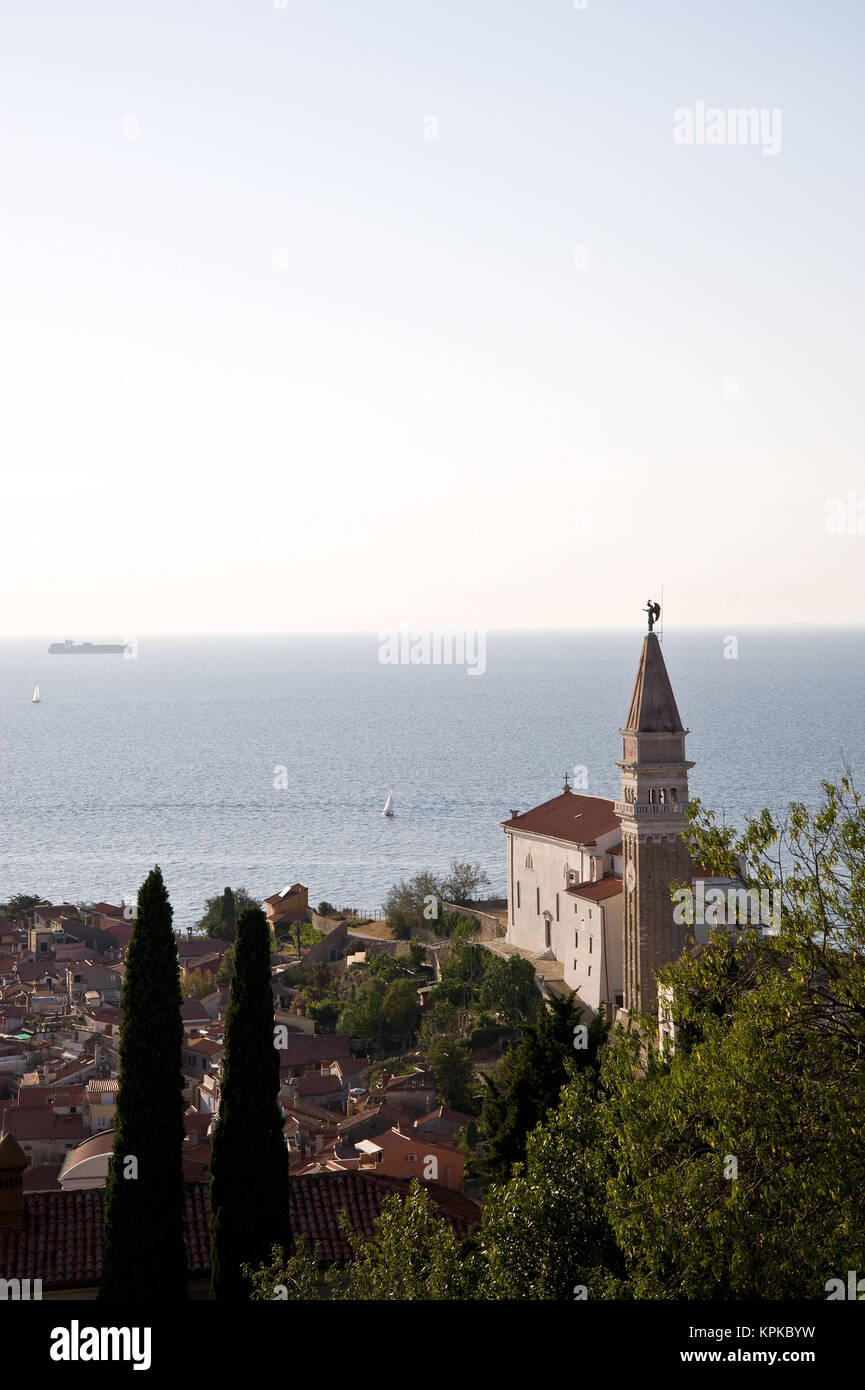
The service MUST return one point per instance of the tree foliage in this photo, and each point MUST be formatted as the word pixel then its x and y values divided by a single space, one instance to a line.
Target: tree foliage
pixel 217 919
pixel 527 1081
pixel 249 1162
pixel 509 990
pixel 144 1255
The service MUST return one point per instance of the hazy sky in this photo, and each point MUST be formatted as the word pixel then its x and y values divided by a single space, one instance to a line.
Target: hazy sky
pixel 273 359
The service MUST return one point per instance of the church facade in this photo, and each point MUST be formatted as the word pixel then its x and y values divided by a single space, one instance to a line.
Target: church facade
pixel 589 879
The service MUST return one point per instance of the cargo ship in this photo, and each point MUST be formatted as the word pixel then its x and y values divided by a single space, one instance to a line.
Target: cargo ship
pixel 70 648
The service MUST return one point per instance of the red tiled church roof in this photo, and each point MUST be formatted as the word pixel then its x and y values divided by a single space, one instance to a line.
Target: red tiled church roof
pixel 600 890
pixel 569 816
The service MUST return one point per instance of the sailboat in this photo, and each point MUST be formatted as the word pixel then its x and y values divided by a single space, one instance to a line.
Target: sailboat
pixel 37 699
pixel 388 805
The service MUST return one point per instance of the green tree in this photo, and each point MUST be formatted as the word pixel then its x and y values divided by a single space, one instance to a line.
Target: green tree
pixel 438 1019
pixel 416 953
pixel 414 904
pixel 451 1061
pixel 143 1250
pixel 229 915
pixel 740 1168
pixel 463 971
pixel 402 1009
pixel 198 984
pixel 325 1013
pixel 22 904
pixel 225 973
pixel 509 990
pixel 463 881
pixel 212 923
pixel 545 1233
pixel 413 1255
pixel 527 1081
pixel 293 1277
pixel 385 967
pixel 249 1162
pixel 363 1016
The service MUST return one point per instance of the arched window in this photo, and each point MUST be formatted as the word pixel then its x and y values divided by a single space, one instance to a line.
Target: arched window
pixel 662 796
pixel 652 796
pixel 674 795
pixel 529 864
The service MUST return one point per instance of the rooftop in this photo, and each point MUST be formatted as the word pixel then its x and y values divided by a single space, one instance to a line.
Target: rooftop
pixel 569 816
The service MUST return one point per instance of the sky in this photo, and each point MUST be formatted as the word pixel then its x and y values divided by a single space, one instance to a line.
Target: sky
pixel 327 316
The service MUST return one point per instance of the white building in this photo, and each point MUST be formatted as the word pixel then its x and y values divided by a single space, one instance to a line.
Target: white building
pixel 564 864
pixel 591 881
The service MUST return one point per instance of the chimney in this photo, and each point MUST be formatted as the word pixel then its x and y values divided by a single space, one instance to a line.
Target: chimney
pixel 13 1161
pixel 513 814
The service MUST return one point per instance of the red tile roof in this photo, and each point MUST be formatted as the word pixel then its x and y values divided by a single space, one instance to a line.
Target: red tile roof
pixel 314 1084
pixel 59 1239
pixel 42 1178
pixel 413 1081
pixel 28 1123
pixel 206 1046
pixel 598 891
pixel 315 1200
pixel 569 816
pixel 192 1009
pixel 306 1048
pixel 119 931
pixel 445 1116
pixel 72 1068
pixel 201 946
pixel 30 1097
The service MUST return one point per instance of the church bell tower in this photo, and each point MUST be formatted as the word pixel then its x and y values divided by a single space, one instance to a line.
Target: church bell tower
pixel 653 812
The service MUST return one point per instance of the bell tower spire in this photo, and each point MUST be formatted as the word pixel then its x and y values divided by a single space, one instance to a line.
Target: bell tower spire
pixel 653 812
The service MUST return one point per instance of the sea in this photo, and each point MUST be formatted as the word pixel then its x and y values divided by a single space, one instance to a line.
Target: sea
pixel 258 761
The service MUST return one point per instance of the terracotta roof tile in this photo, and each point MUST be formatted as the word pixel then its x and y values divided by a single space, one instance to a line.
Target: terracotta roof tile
pixel 569 816
pixel 315 1200
pixel 598 891
pixel 59 1239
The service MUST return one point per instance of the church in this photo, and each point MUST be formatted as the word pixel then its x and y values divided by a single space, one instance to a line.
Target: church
pixel 589 880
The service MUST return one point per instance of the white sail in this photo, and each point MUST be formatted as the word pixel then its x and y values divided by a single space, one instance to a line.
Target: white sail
pixel 388 805
pixel 37 700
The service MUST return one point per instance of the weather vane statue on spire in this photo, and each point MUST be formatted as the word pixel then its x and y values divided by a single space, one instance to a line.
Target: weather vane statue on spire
pixel 654 611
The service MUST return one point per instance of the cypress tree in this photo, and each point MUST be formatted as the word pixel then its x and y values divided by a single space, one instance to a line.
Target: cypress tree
pixel 249 1160
pixel 144 1255
pixel 229 915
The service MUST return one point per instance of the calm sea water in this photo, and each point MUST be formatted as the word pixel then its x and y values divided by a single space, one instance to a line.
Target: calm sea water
pixel 172 758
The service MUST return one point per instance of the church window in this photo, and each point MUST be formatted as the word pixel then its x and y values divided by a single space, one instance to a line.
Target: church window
pixel 557 907
pixel 576 940
pixel 547 932
pixel 518 892
pixel 590 970
pixel 590 945
pixel 590 914
pixel 575 965
pixel 538 901
pixel 529 864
